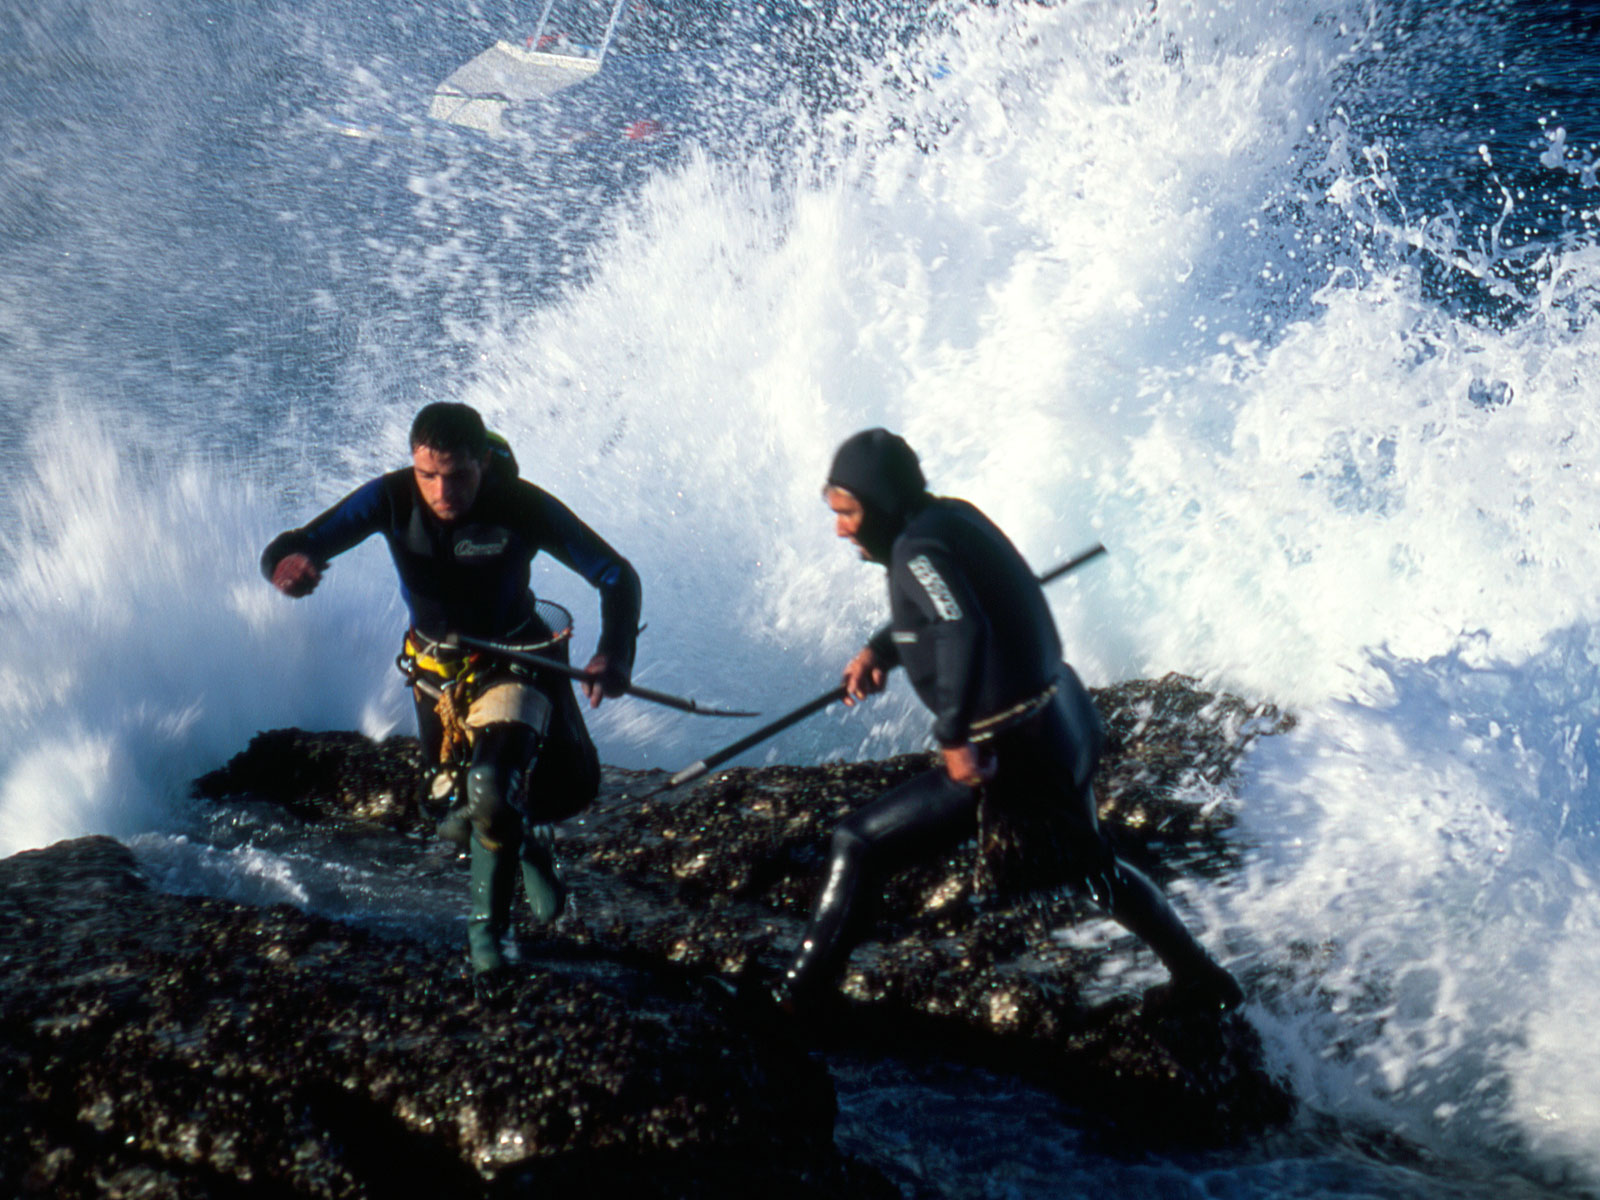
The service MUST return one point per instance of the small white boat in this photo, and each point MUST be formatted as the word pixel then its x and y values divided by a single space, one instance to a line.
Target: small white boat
pixel 477 94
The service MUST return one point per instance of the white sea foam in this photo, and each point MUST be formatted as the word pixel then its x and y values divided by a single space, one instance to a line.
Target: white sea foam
pixel 141 647
pixel 245 874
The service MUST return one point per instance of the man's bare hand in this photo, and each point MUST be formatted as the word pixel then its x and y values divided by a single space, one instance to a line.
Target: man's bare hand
pixel 967 764
pixel 604 680
pixel 296 575
pixel 863 676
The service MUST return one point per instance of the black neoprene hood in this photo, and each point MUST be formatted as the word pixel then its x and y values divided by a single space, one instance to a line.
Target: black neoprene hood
pixel 879 469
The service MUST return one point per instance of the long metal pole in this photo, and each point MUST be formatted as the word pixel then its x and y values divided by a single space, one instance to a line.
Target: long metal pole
pixel 682 703
pixel 696 769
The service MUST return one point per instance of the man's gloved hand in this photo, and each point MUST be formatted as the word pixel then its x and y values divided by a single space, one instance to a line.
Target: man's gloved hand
pixel 969 765
pixel 604 679
pixel 296 575
pixel 863 676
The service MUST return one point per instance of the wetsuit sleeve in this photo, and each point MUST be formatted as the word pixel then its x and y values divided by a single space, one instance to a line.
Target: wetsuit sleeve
pixel 354 519
pixel 582 550
pixel 956 633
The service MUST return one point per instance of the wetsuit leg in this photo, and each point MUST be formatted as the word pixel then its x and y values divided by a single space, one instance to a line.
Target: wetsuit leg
pixel 923 815
pixel 1135 903
pixel 1044 756
pixel 500 754
pixel 547 894
pixel 560 783
pixel 567 776
pixel 492 881
pixel 503 756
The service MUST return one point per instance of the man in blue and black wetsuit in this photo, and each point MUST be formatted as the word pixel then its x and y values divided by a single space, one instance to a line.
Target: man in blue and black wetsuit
pixel 971 626
pixel 463 529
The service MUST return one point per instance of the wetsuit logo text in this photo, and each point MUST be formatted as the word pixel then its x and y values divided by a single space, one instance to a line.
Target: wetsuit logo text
pixel 938 591
pixel 467 548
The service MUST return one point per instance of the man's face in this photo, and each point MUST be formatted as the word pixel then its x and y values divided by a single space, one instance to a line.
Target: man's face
pixel 448 482
pixel 847 516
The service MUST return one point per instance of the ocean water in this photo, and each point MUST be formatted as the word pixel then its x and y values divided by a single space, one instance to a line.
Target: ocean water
pixel 1292 305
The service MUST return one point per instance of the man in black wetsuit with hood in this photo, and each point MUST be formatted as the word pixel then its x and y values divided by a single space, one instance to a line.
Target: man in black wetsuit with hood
pixel 973 631
pixel 463 529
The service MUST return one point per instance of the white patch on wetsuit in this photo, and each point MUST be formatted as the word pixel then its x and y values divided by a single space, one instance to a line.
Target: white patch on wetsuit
pixel 519 702
pixel 938 590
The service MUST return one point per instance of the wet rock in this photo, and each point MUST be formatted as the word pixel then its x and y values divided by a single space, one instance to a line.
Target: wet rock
pixel 157 1045
pixel 1171 743
pixel 719 880
pixel 982 976
pixel 338 775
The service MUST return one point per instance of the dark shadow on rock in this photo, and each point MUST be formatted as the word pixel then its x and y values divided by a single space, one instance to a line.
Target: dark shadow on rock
pixel 688 1175
pixel 378 1148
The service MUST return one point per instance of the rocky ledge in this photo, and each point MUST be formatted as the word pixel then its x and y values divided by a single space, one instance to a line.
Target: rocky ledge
pixel 164 1046
pixel 176 1046
pixel 721 879
pixel 718 879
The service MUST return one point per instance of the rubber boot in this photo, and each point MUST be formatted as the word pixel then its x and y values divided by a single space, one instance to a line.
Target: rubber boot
pixel 826 944
pixel 492 882
pixel 547 895
pixel 1137 905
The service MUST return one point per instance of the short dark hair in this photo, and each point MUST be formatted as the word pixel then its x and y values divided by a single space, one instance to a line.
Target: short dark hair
pixel 447 427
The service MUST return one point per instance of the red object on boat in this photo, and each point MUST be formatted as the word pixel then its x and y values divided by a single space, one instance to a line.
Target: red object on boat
pixel 639 131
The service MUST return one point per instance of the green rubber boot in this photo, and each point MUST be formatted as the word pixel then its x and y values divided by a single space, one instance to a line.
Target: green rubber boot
pixel 493 879
pixel 547 895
